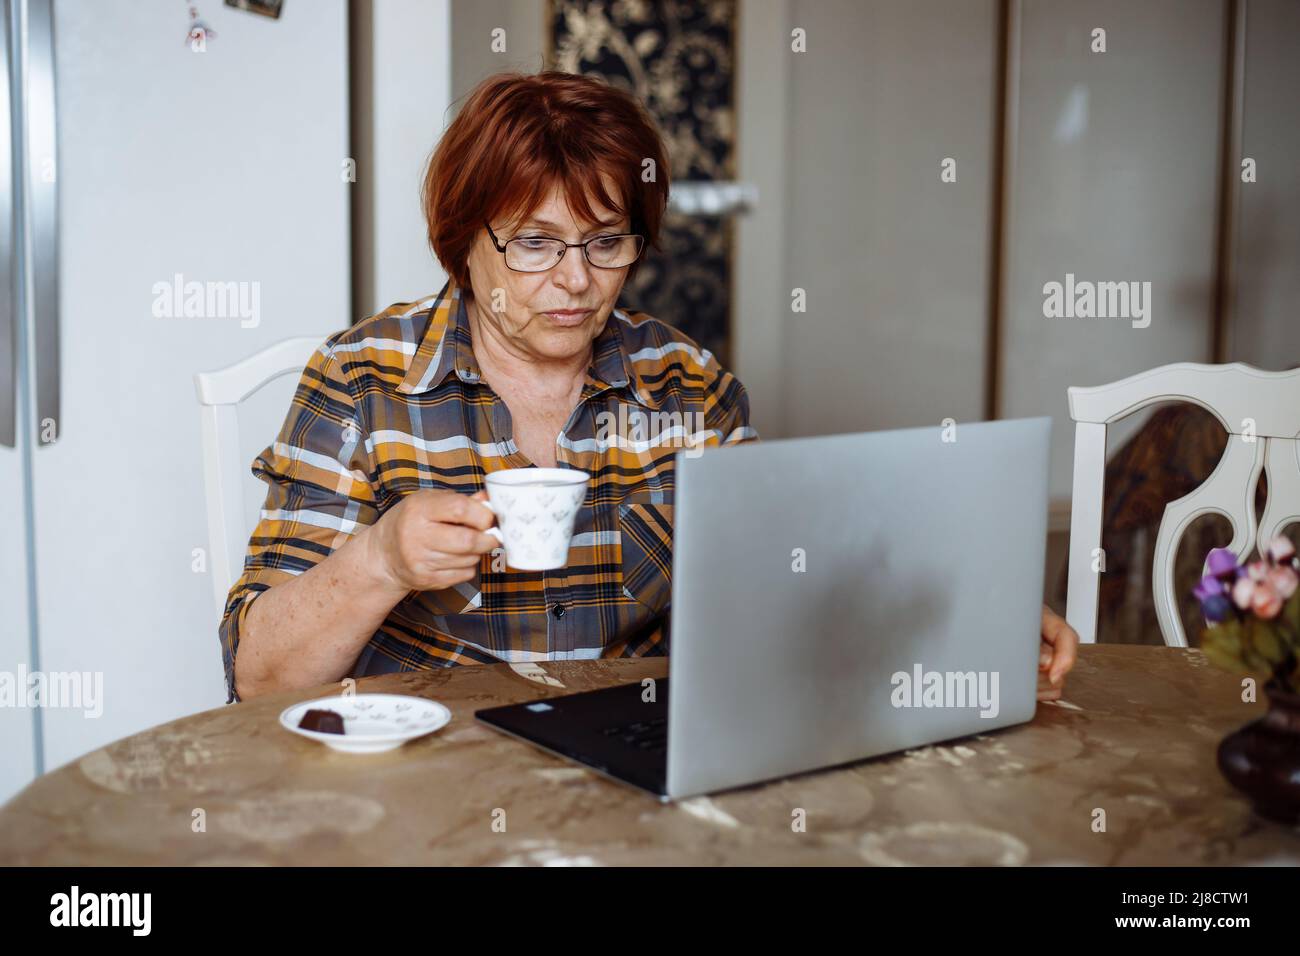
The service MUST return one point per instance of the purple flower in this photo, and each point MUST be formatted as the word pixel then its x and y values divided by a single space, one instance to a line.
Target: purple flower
pixel 1209 587
pixel 1222 563
pixel 1216 604
pixel 1217 608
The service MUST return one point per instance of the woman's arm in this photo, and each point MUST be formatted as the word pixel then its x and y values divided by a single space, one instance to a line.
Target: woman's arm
pixel 310 629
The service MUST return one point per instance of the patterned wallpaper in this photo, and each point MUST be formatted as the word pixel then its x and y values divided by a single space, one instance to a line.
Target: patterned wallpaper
pixel 677 57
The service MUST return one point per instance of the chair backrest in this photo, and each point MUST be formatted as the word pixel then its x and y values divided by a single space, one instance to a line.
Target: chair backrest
pixel 219 394
pixel 1260 411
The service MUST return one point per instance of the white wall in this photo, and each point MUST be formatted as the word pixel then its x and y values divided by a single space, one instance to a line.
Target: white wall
pixel 473 23
pixel 222 166
pixel 760 269
pixel 400 110
pixel 895 262
pixel 1266 327
pixel 1115 178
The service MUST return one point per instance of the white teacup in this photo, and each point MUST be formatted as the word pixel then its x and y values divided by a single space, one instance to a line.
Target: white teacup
pixel 536 509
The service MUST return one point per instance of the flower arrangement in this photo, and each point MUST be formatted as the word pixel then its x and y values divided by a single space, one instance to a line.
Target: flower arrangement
pixel 1252 614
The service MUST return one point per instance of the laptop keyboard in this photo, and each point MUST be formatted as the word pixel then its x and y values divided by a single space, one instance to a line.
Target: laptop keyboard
pixel 648 735
pixel 612 730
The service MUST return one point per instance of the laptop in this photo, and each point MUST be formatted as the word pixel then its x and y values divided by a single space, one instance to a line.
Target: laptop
pixel 835 598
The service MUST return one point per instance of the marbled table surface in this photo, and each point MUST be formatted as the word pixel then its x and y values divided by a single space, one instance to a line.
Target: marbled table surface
pixel 1135 736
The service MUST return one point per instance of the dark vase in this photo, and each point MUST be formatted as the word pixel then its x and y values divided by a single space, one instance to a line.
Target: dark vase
pixel 1262 759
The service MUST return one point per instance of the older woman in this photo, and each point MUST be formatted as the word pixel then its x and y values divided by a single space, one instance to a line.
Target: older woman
pixel 371 554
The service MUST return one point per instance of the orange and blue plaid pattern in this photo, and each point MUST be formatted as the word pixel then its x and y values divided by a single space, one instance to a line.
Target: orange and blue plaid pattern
pixel 396 403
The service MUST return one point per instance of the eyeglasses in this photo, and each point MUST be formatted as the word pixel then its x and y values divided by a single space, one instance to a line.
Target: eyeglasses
pixel 539 253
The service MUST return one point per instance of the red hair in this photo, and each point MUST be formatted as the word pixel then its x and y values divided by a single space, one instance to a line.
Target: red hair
pixel 519 136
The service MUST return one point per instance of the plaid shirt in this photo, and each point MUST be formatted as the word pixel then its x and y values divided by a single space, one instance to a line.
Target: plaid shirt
pixel 396 403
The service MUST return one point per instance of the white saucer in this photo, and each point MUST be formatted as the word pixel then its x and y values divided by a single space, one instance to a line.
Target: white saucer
pixel 372 723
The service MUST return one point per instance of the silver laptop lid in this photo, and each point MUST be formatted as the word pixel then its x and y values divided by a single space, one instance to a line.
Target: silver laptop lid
pixel 844 596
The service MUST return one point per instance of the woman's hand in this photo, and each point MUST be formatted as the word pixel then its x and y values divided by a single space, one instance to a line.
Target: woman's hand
pixel 431 539
pixel 1056 654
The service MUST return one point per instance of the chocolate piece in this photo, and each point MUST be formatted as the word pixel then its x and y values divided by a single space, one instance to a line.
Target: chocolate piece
pixel 322 721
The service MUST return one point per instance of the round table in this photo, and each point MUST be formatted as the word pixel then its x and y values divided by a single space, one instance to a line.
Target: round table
pixel 1134 736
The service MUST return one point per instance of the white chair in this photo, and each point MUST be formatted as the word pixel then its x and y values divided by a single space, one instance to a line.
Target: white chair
pixel 219 394
pixel 1260 411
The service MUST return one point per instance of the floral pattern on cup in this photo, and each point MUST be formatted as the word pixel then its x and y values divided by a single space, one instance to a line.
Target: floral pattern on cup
pixel 536 509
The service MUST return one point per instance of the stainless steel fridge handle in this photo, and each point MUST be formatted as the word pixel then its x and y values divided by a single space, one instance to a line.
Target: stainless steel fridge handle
pixel 707 198
pixel 8 294
pixel 42 192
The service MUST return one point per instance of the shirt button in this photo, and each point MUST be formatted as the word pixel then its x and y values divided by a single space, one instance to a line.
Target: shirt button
pixel 557 612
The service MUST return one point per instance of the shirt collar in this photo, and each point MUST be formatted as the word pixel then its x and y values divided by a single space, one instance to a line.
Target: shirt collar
pixel 447 347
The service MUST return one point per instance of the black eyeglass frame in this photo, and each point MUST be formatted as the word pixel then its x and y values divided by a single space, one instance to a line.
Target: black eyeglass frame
pixel 501 248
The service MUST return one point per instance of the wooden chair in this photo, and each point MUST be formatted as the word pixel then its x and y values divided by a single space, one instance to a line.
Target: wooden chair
pixel 1260 411
pixel 219 394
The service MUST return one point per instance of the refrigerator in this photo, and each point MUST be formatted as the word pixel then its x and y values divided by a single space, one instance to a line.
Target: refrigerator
pixel 150 148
